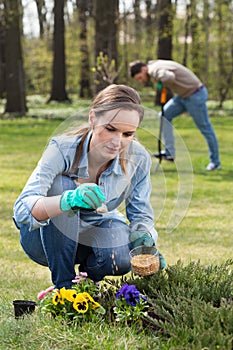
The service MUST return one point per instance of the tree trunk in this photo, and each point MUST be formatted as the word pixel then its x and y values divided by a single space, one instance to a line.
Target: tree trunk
pixel 137 26
pixel 106 24
pixel 15 84
pixel 195 33
pixel 149 29
pixel 125 53
pixel 2 53
pixel 83 13
pixel 186 35
pixel 59 67
pixel 41 10
pixel 224 45
pixel 206 25
pixel 165 29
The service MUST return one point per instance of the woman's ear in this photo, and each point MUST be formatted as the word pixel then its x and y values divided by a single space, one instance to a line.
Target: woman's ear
pixel 92 118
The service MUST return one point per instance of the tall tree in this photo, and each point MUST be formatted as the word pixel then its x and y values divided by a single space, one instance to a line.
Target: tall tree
pixel 106 24
pixel 149 29
pixel 137 24
pixel 206 25
pixel 15 84
pixel 41 10
pixel 58 92
pixel 125 53
pixel 195 34
pixel 186 34
pixel 224 48
pixel 83 14
pixel 165 29
pixel 2 52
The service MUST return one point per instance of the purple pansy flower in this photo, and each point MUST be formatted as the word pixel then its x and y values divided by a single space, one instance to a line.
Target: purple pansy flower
pixel 131 294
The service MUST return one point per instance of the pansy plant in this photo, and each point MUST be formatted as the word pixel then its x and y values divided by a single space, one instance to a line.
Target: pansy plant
pixel 130 305
pixel 72 304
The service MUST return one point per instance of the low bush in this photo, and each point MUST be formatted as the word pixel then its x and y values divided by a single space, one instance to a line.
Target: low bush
pixel 191 306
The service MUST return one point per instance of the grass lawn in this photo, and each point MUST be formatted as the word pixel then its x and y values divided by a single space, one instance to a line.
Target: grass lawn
pixel 193 216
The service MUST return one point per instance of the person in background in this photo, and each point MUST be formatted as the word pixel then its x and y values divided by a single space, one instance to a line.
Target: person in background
pixel 189 95
pixel 68 212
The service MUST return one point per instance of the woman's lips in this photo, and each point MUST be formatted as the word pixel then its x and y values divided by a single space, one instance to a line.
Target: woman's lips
pixel 112 150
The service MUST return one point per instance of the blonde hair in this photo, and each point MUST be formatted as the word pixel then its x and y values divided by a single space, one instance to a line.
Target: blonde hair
pixel 111 98
pixel 117 96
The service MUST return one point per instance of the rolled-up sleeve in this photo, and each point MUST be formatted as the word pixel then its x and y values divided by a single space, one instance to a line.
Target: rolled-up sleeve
pixel 50 165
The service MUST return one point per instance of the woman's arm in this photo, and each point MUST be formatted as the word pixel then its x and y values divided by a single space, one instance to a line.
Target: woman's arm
pixel 46 208
pixel 33 207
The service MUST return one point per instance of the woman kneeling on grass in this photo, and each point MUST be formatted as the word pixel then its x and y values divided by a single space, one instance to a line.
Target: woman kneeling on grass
pixel 67 212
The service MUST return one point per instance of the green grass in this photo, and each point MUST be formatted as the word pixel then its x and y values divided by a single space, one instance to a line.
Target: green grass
pixel 194 224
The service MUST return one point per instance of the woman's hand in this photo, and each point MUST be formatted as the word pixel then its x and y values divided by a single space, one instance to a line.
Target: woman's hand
pixel 88 196
pixel 138 238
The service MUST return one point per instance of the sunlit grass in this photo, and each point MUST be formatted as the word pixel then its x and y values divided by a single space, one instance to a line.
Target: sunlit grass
pixel 204 232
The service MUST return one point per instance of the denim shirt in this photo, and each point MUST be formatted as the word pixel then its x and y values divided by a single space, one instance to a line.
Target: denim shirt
pixel 131 191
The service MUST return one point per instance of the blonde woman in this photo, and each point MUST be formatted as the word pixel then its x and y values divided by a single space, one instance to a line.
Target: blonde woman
pixel 67 212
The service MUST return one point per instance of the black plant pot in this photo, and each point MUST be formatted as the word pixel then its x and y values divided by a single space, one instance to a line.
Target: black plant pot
pixel 23 307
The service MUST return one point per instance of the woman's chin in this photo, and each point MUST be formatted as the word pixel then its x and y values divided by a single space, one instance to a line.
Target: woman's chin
pixel 109 155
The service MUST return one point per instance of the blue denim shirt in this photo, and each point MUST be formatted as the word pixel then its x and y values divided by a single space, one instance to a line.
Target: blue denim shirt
pixel 129 191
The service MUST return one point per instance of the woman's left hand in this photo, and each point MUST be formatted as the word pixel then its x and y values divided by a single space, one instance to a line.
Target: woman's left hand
pixel 138 238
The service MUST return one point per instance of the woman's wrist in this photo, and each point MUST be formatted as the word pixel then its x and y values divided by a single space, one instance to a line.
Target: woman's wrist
pixel 47 207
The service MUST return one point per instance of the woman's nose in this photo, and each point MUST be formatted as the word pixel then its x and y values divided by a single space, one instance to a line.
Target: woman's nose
pixel 116 140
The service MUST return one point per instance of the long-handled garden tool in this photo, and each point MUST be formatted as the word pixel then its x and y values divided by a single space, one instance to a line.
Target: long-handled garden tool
pixel 163 100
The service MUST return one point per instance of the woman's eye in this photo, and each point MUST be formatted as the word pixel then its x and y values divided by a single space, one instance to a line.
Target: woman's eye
pixel 125 134
pixel 109 128
pixel 128 134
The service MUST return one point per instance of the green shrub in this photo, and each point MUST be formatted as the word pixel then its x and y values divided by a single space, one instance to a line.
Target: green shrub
pixel 191 305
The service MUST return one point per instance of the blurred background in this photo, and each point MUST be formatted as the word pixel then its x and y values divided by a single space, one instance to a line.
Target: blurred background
pixel 65 48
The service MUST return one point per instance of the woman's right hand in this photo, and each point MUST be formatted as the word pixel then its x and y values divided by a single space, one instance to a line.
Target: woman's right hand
pixel 88 196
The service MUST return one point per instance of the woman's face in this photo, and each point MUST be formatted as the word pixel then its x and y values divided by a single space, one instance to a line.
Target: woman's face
pixel 112 134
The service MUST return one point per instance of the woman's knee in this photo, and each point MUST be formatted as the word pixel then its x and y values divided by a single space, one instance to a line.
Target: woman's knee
pixel 32 245
pixel 107 262
pixel 120 260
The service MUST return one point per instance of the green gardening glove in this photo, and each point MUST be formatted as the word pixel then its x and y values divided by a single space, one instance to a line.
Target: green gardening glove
pixel 162 261
pixel 88 196
pixel 138 238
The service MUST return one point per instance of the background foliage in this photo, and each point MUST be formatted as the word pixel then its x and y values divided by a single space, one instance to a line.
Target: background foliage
pixel 201 33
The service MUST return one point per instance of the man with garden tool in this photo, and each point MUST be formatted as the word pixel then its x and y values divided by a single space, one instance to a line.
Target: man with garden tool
pixel 190 95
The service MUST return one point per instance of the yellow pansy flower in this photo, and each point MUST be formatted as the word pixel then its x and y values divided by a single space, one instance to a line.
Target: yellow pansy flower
pixel 88 297
pixel 80 303
pixel 57 298
pixel 68 294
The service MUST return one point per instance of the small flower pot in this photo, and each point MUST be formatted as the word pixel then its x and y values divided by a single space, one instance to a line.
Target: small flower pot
pixel 23 307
